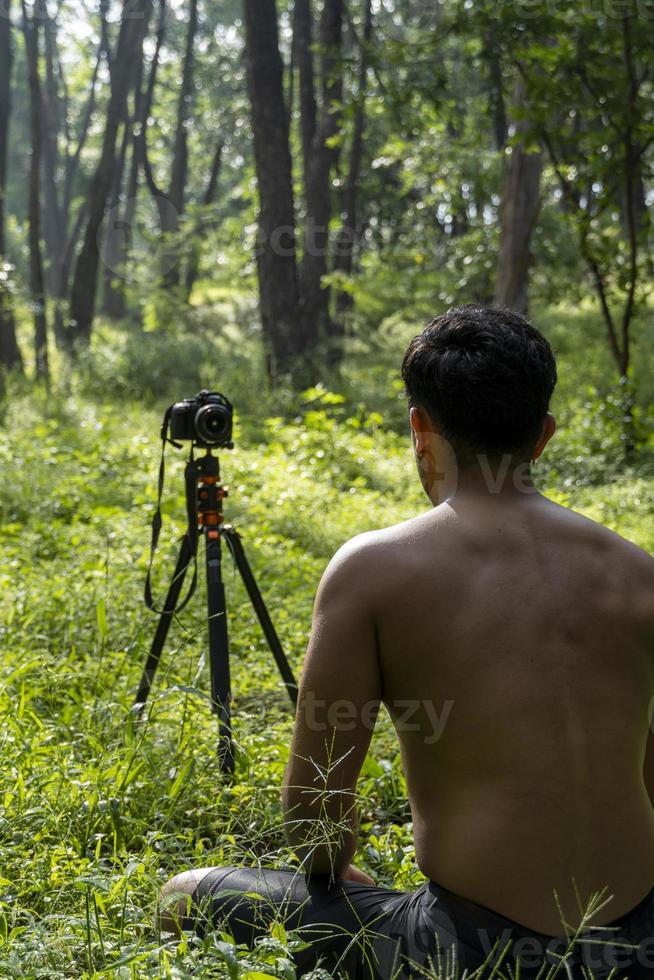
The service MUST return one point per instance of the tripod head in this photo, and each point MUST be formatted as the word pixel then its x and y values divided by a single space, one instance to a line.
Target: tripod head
pixel 205 492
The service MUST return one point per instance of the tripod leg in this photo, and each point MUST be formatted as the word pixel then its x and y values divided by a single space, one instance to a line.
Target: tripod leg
pixel 236 548
pixel 184 560
pixel 221 694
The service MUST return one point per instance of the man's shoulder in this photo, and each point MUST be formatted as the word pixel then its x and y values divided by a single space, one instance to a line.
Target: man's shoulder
pixel 622 565
pixel 372 559
pixel 351 576
pixel 358 553
pixel 371 546
pixel 609 540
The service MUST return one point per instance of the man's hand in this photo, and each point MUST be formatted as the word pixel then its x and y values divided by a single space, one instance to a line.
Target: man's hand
pixel 354 874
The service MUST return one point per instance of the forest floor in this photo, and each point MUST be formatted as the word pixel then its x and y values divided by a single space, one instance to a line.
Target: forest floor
pixel 97 813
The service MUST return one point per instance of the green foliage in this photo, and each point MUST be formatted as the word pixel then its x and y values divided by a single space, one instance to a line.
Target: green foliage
pixel 586 100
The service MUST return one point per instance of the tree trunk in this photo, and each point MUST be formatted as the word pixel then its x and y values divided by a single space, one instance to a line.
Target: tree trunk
pixel 64 258
pixel 168 213
pixel 496 89
pixel 324 156
pixel 53 224
pixel 303 56
pixel 10 356
pixel 142 111
pixel 276 257
pixel 72 160
pixel 133 26
pixel 209 198
pixel 520 206
pixel 180 154
pixel 350 231
pixel 37 287
pixel 112 294
pixel 63 273
pixel 636 210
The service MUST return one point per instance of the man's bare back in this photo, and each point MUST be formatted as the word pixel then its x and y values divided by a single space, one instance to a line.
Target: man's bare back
pixel 530 629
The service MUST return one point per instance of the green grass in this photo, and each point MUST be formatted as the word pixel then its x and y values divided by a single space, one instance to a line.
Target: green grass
pixel 97 814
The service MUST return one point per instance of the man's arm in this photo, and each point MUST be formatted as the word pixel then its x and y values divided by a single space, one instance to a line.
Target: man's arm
pixel 339 697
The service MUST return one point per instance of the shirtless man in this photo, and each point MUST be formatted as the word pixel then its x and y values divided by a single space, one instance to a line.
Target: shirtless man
pixel 512 642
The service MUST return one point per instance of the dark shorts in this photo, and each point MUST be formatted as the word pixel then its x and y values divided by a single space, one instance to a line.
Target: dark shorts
pixel 370 933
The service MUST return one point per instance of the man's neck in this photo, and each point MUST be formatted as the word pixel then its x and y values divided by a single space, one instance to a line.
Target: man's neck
pixel 500 480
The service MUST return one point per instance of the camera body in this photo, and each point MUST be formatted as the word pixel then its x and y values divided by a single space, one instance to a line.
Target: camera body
pixel 206 420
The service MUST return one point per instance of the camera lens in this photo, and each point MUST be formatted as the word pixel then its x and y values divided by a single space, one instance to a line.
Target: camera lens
pixel 213 423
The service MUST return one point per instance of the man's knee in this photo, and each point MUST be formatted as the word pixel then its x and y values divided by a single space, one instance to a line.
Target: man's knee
pixel 176 899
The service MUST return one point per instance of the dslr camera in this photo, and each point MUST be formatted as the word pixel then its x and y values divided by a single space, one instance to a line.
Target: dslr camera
pixel 206 420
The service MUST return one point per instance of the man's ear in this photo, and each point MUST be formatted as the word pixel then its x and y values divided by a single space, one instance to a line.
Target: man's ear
pixel 549 428
pixel 421 429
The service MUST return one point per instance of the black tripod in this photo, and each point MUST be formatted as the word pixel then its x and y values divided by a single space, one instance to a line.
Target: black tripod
pixel 204 497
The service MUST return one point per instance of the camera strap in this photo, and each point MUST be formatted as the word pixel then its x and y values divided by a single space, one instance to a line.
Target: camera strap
pixel 191 531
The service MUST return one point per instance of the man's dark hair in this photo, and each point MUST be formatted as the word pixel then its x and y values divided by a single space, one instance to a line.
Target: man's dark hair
pixel 485 378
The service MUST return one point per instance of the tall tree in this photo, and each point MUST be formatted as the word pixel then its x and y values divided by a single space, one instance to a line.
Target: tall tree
pixel 519 211
pixel 52 123
pixel 492 57
pixel 62 150
pixel 323 156
pixel 303 60
pixel 209 198
pixel 61 251
pixel 172 204
pixel 350 230
pixel 9 351
pixel 112 293
pixel 276 249
pixel 139 162
pixel 133 26
pixel 37 285
pixel 179 168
